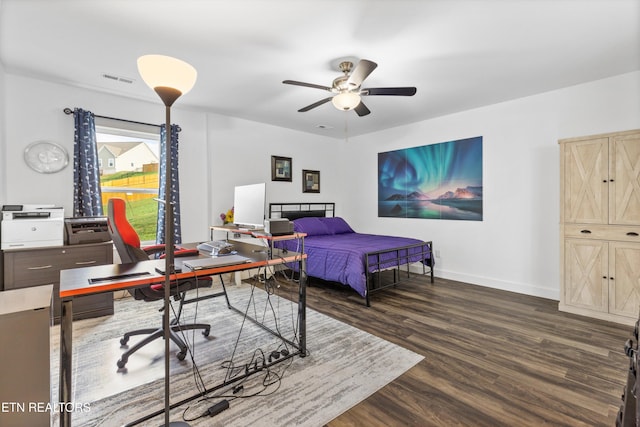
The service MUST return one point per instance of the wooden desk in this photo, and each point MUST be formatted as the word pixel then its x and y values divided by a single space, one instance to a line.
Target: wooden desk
pixel 78 282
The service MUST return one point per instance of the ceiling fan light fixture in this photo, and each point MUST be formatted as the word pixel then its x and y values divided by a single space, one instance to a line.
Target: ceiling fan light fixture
pixel 347 90
pixel 346 101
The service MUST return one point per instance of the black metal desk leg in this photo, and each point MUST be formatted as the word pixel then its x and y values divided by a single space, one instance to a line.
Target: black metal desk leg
pixel 302 304
pixel 302 314
pixel 64 385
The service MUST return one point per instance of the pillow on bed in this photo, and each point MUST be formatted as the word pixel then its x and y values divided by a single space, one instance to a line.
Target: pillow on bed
pixel 336 225
pixel 310 225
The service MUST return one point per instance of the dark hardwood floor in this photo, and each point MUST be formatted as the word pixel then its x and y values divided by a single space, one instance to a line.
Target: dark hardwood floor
pixel 491 358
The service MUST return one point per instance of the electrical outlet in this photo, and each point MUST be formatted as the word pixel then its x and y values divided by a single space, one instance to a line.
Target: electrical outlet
pixel 437 253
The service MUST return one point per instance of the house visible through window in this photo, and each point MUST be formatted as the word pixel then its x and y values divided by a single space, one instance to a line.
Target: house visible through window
pixel 130 152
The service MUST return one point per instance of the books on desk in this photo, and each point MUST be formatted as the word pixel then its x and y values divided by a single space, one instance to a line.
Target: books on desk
pixel 214 262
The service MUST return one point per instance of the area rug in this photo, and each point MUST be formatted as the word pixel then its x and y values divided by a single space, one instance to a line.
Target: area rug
pixel 344 365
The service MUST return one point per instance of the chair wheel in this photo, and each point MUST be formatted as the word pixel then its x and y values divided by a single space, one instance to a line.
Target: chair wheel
pixel 124 341
pixel 181 355
pixel 206 332
pixel 121 363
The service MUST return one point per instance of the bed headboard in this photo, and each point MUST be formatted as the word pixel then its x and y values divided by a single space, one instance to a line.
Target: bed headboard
pixel 293 211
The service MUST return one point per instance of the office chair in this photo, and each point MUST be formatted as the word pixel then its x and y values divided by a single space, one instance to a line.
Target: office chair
pixel 127 243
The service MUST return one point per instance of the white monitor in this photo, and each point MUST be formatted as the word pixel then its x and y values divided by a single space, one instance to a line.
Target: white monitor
pixel 249 205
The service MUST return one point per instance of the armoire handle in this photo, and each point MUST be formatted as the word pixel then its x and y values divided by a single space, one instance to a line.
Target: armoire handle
pixel 585 231
pixel 632 233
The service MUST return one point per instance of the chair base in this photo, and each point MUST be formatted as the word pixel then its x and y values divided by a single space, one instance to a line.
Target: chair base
pixel 154 334
pixel 175 328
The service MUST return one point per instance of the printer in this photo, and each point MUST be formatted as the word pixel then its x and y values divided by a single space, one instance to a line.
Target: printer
pixel 86 229
pixel 278 226
pixel 31 226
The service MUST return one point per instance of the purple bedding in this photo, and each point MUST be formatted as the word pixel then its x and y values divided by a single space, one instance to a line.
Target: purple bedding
pixel 336 253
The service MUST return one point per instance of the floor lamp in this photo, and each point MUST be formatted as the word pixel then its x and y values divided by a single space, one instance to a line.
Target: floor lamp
pixel 169 78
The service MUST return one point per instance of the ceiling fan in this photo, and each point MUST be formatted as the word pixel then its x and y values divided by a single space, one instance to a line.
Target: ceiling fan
pixel 347 90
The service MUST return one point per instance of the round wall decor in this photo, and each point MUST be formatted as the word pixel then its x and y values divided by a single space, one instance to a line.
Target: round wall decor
pixel 46 157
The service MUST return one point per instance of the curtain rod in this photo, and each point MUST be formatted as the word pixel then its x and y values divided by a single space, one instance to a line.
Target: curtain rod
pixel 69 111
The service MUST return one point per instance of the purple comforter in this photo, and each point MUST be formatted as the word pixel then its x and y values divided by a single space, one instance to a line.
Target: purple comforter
pixel 341 257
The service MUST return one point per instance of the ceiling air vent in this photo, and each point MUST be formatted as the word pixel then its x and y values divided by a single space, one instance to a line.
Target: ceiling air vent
pixel 118 78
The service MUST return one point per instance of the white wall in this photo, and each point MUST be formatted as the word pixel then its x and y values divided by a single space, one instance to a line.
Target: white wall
pixel 241 153
pixel 36 113
pixel 516 246
pixel 216 152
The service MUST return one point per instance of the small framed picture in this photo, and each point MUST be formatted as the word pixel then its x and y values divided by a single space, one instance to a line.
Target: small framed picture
pixel 310 181
pixel 280 168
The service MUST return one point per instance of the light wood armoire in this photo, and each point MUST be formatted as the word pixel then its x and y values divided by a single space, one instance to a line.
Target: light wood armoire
pixel 600 226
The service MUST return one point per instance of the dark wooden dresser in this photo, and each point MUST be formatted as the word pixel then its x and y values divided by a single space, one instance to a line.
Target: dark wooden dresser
pixel 29 267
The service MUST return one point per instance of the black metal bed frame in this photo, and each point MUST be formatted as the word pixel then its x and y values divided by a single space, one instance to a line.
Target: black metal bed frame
pixel 300 210
pixel 373 260
pixel 403 257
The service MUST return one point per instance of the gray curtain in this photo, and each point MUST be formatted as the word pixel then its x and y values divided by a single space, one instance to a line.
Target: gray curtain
pixel 174 184
pixel 87 197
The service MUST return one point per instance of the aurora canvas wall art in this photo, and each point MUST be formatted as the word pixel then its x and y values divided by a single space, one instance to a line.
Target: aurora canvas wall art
pixel 437 181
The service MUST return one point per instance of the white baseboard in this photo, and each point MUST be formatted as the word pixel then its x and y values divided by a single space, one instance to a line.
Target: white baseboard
pixel 521 288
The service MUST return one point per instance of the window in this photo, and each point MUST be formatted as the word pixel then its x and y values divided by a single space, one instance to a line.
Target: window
pixel 131 153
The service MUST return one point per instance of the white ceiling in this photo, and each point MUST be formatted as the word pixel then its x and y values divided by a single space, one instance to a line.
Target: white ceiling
pixel 460 54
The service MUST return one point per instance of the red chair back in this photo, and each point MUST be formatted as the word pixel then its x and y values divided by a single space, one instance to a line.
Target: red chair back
pixel 124 236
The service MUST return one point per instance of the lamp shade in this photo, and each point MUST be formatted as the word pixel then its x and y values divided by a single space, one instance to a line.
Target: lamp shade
pixel 346 101
pixel 167 72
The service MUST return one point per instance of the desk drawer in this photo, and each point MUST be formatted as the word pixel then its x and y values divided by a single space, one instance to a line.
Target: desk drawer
pixel 24 268
pixel 41 266
pixel 86 256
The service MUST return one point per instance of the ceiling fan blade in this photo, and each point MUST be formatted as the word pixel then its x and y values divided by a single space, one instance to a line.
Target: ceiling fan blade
pixel 362 109
pixel 397 91
pixel 361 72
pixel 315 104
pixel 315 86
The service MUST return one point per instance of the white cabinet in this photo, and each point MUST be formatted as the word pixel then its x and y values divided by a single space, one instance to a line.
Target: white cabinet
pixel 600 226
